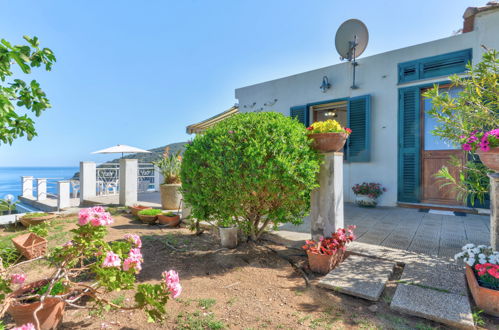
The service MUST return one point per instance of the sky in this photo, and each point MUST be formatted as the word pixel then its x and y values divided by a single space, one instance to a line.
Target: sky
pixel 139 72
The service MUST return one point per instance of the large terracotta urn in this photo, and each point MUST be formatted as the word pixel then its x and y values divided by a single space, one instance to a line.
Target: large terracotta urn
pixel 328 142
pixel 490 158
pixel 170 196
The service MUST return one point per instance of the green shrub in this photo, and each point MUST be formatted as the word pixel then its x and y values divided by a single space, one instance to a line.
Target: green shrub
pixel 252 170
pixel 150 212
pixel 41 229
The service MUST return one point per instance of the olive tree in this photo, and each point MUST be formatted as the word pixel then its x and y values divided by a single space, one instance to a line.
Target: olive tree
pixel 252 170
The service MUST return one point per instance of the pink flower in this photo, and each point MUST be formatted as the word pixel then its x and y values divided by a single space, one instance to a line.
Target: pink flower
pixel 17 278
pixel 134 239
pixel 27 326
pixel 98 209
pixel 132 263
pixel 466 147
pixel 484 147
pixel 97 216
pixel 111 260
pixel 83 217
pixel 135 254
pixel 172 283
pixel 68 244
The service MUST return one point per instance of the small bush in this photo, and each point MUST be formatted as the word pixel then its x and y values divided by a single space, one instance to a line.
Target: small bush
pixel 252 170
pixel 41 229
pixel 150 212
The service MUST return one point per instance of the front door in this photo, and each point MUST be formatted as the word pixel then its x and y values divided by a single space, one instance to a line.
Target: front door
pixel 436 153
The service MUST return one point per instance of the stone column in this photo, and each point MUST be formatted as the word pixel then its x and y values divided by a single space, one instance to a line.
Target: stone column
pixel 63 197
pixel 88 180
pixel 128 181
pixel 27 183
pixel 326 211
pixel 41 189
pixel 494 210
pixel 157 178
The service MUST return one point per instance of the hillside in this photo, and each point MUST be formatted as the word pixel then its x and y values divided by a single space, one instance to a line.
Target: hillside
pixel 155 154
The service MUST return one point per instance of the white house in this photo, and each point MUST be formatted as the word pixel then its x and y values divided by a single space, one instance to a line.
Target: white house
pixel 390 143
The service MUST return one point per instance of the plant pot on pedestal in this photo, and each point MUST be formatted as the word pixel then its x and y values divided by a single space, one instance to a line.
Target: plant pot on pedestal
pixel 365 201
pixel 170 196
pixel 324 263
pixel 328 142
pixel 228 237
pixel 486 299
pixel 490 158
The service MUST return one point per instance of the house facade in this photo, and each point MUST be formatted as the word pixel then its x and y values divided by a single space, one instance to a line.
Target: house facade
pixel 391 141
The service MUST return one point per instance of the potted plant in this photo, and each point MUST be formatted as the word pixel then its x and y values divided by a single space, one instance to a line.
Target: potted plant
pixel 110 266
pixel 7 204
pixel 325 255
pixel 328 136
pixel 136 208
pixel 367 193
pixel 169 166
pixel 228 233
pixel 36 218
pixel 30 245
pixel 485 145
pixel 482 274
pixel 149 216
pixel 169 219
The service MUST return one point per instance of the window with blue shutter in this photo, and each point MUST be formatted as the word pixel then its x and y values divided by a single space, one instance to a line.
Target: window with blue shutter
pixel 301 113
pixel 409 145
pixel 359 121
pixel 435 66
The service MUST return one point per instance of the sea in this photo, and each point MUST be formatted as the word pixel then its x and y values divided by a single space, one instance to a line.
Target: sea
pixel 10 178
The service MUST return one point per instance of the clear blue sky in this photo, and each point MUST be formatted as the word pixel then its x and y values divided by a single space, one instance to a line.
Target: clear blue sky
pixel 138 72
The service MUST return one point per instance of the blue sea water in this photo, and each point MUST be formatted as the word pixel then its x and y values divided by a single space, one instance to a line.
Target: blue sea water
pixel 10 177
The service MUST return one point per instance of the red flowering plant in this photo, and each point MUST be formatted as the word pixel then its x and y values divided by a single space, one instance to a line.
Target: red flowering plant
pixel 488 275
pixel 373 190
pixel 480 141
pixel 331 245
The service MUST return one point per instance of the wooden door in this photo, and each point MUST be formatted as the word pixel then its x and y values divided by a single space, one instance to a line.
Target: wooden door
pixel 436 153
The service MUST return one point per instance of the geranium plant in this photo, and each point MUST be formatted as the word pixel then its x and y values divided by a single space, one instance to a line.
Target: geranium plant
pixel 480 141
pixel 169 166
pixel 333 244
pixel 371 189
pixel 327 126
pixel 484 262
pixel 110 266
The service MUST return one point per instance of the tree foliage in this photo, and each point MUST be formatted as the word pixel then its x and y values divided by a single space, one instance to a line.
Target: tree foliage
pixel 17 97
pixel 250 170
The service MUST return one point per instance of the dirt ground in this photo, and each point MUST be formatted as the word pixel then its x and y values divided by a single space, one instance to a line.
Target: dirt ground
pixel 251 287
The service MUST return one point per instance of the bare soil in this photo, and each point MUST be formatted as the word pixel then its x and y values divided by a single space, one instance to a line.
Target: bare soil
pixel 251 287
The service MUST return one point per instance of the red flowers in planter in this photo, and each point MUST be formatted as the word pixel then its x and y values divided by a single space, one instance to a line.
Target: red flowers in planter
pixel 330 245
pixel 488 275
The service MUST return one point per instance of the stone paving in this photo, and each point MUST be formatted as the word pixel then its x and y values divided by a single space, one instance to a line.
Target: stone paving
pixel 411 230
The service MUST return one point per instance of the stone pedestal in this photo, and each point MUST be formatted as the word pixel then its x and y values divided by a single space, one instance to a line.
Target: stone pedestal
pixel 326 211
pixel 63 197
pixel 128 181
pixel 27 183
pixel 41 189
pixel 494 210
pixel 88 180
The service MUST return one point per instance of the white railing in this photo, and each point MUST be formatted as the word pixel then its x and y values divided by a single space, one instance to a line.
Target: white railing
pixel 108 179
pixel 146 177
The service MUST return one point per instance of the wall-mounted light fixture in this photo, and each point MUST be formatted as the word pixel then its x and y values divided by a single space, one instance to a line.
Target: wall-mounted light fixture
pixel 325 84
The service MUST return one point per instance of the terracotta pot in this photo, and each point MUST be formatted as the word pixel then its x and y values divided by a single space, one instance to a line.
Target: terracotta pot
pixel 328 142
pixel 365 201
pixel 32 221
pixel 136 208
pixel 486 299
pixel 323 263
pixel 163 219
pixel 170 196
pixel 50 316
pixel 490 158
pixel 30 245
pixel 147 218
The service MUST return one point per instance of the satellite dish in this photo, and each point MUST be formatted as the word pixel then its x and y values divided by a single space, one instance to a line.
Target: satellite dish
pixel 351 41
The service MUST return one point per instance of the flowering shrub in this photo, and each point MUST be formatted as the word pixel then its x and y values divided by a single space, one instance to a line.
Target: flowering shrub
pixel 485 263
pixel 330 245
pixel 482 141
pixel 111 266
pixel 373 190
pixel 327 126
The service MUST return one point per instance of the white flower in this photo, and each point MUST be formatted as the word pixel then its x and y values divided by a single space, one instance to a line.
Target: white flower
pixel 459 255
pixel 482 247
pixel 493 259
pixel 468 246
pixel 481 256
pixel 476 250
pixel 471 255
pixel 482 261
pixel 471 262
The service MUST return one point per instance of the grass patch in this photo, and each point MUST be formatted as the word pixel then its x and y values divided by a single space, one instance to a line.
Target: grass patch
pixel 423 286
pixel 477 318
pixel 198 321
pixel 206 303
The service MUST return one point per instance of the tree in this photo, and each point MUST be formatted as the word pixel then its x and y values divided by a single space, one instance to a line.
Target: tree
pixel 17 97
pixel 252 170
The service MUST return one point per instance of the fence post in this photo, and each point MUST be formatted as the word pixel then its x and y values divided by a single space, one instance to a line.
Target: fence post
pixel 27 183
pixel 128 181
pixel 157 178
pixel 41 189
pixel 88 180
pixel 63 197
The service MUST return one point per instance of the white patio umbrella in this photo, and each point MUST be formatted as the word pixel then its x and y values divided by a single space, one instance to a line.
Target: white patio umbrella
pixel 121 149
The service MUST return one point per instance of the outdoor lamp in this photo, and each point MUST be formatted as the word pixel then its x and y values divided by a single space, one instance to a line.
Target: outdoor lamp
pixel 325 84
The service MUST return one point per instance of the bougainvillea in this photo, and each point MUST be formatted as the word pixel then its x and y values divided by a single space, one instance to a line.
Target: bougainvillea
pixel 330 245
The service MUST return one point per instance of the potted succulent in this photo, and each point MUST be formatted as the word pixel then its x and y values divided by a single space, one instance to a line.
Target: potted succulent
pixel 111 266
pixel 169 167
pixel 325 255
pixel 149 216
pixel 136 208
pixel 228 233
pixel 367 193
pixel 485 145
pixel 328 136
pixel 169 219
pixel 36 218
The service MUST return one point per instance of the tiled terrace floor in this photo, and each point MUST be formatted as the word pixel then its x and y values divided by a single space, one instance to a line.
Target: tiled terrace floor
pixel 409 229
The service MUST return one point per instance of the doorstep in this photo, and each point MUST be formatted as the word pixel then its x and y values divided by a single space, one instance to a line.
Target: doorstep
pixel 441 207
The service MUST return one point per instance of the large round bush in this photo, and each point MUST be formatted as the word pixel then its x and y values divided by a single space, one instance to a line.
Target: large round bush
pixel 253 169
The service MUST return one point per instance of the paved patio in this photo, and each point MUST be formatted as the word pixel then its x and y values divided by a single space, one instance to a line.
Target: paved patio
pixel 408 229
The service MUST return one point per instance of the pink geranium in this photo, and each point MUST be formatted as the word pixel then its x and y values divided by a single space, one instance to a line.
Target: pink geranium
pixel 134 239
pixel 132 263
pixel 27 326
pixel 111 260
pixel 17 278
pixel 96 216
pixel 172 281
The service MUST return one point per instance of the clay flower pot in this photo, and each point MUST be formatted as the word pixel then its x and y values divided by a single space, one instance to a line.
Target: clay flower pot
pixel 490 158
pixel 145 218
pixel 28 220
pixel 172 221
pixel 323 263
pixel 328 142
pixel 136 208
pixel 486 299
pixel 30 245
pixel 49 316
pixel 170 196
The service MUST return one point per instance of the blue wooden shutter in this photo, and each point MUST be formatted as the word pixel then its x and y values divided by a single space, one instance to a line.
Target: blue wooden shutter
pixel 301 113
pixel 409 145
pixel 359 120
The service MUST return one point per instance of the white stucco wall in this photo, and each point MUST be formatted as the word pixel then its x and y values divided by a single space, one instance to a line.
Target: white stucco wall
pixel 377 75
